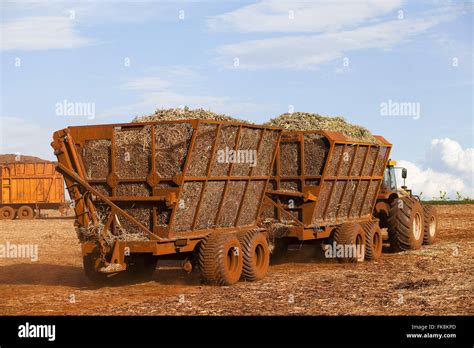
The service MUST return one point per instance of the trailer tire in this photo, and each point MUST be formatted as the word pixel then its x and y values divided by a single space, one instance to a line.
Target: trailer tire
pixel 373 240
pixel 25 212
pixel 350 233
pixel 430 224
pixel 220 259
pixel 405 224
pixel 7 213
pixel 256 255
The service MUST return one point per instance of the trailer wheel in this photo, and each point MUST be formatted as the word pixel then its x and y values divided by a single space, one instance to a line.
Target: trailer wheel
pixel 220 259
pixel 430 224
pixel 373 240
pixel 25 213
pixel 405 224
pixel 350 234
pixel 256 255
pixel 7 213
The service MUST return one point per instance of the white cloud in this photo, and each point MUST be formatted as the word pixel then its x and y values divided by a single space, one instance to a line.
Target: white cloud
pixel 179 86
pixel 41 33
pixel 18 135
pixel 320 32
pixel 430 182
pixel 149 101
pixel 91 12
pixel 309 51
pixel 449 168
pixel 451 156
pixel 164 78
pixel 300 16
pixel 146 83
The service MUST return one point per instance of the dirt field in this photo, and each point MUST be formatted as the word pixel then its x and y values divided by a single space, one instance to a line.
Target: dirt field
pixel 436 280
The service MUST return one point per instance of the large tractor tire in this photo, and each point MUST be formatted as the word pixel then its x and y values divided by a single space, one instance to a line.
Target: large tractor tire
pixel 430 224
pixel 220 259
pixel 405 224
pixel 256 255
pixel 350 234
pixel 7 213
pixel 25 213
pixel 373 240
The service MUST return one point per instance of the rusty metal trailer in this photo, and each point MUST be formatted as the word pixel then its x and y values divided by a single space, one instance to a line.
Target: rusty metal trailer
pixel 325 187
pixel 26 188
pixel 189 189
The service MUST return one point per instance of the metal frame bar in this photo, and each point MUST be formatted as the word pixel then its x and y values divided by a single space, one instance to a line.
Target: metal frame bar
pixel 273 162
pixel 244 195
pixel 195 125
pixel 335 181
pixel 358 181
pixel 114 208
pixel 370 180
pixel 349 179
pixel 229 172
pixel 208 173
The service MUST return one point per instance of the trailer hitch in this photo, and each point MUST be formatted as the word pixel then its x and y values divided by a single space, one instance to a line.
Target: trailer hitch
pixel 117 259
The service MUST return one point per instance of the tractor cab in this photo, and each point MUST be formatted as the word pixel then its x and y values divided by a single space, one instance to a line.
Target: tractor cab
pixel 389 185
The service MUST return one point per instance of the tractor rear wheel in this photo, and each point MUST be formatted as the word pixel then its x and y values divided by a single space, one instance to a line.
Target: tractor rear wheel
pixel 220 259
pixel 430 224
pixel 25 213
pixel 373 240
pixel 351 237
pixel 256 255
pixel 405 224
pixel 7 213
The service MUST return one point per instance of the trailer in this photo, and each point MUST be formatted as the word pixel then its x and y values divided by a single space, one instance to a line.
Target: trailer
pixel 324 188
pixel 226 195
pixel 26 188
pixel 189 190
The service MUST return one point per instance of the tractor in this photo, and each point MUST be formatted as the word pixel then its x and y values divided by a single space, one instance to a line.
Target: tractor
pixel 408 221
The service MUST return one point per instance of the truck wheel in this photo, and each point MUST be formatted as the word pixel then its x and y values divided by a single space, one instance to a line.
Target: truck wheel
pixel 430 224
pixel 405 224
pixel 7 213
pixel 373 240
pixel 25 213
pixel 256 255
pixel 220 259
pixel 350 234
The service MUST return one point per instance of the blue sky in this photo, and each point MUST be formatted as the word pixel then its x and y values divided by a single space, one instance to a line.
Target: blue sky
pixel 334 58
